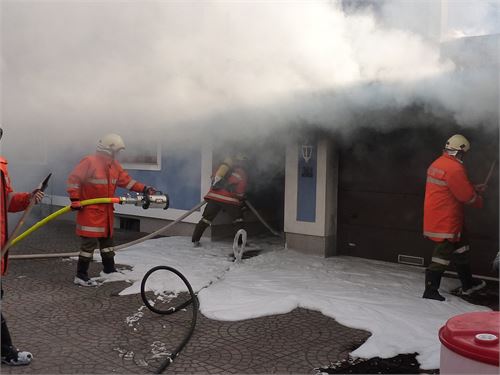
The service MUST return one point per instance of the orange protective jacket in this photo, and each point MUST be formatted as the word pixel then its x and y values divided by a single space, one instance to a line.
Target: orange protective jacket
pixel 447 190
pixel 233 190
pixel 9 202
pixel 97 176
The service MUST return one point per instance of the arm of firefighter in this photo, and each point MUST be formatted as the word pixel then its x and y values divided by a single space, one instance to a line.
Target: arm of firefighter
pixel 75 179
pixel 16 201
pixel 127 182
pixel 463 190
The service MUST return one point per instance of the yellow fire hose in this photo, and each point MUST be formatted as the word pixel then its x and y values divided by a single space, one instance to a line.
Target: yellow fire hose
pixel 86 203
pixel 120 200
pixel 58 213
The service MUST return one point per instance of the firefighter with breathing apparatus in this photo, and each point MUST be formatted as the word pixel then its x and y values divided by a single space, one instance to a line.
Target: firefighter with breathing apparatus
pixel 98 176
pixel 227 193
pixel 11 201
pixel 447 191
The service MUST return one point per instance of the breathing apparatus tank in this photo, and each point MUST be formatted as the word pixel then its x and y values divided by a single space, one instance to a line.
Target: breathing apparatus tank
pixel 221 172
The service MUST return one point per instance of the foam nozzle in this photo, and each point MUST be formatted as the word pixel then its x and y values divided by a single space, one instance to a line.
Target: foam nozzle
pixel 157 200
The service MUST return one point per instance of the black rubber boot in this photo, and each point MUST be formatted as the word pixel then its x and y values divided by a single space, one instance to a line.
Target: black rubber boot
pixel 82 269
pixel 6 339
pixel 469 283
pixel 432 282
pixel 198 231
pixel 82 277
pixel 465 276
pixel 14 357
pixel 108 265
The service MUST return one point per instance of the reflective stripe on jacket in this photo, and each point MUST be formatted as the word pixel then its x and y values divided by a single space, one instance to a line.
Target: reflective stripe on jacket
pixel 9 202
pixel 447 190
pixel 233 190
pixel 97 176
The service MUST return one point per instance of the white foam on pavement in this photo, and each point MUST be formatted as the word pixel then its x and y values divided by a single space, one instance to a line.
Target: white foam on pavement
pixel 382 298
pixel 198 265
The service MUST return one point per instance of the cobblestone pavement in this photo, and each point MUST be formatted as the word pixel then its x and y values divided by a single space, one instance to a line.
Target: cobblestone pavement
pixel 71 329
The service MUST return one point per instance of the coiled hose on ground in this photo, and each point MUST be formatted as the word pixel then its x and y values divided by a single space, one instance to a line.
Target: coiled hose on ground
pixel 239 244
pixel 172 310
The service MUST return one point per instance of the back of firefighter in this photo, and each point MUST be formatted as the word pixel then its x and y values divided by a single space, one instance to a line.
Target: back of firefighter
pixel 11 201
pixel 227 193
pixel 447 191
pixel 98 176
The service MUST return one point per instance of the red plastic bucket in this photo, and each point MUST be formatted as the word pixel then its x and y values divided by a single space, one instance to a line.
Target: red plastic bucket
pixel 469 344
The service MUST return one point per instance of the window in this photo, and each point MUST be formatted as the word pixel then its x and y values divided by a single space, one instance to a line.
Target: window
pixel 142 157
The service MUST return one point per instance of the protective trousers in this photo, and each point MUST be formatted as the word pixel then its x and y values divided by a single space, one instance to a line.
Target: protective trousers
pixel 6 339
pixel 211 211
pixel 457 252
pixel 87 247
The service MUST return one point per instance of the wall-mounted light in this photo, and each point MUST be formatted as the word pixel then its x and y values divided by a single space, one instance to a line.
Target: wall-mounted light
pixel 307 150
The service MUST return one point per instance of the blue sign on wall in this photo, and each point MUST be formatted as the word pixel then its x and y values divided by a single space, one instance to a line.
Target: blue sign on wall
pixel 306 183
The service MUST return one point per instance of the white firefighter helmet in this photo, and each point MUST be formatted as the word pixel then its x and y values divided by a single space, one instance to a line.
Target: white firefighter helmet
pixel 110 143
pixel 457 143
pixel 240 157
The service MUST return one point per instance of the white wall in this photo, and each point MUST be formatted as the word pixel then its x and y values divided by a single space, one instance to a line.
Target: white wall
pixel 326 191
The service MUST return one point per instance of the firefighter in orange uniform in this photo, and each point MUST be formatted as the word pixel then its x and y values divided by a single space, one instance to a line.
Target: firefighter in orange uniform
pixel 97 176
pixel 11 201
pixel 447 190
pixel 227 194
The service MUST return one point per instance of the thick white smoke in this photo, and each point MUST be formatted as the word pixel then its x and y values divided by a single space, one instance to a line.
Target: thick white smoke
pixel 77 69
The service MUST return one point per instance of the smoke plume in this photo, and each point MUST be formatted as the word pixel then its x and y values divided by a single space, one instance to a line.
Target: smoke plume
pixel 72 70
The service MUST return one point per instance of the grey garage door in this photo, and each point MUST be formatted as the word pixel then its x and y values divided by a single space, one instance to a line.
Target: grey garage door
pixel 381 192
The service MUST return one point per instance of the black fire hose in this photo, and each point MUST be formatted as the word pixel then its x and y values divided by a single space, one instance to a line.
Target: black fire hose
pixel 193 300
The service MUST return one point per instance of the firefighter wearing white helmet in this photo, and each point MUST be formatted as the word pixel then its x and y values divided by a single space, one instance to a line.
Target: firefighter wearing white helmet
pixel 448 190
pixel 98 176
pixel 457 143
pixel 240 157
pixel 111 144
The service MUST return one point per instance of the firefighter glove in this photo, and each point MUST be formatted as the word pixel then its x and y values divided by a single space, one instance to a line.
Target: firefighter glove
pixel 38 195
pixel 480 188
pixel 76 205
pixel 149 190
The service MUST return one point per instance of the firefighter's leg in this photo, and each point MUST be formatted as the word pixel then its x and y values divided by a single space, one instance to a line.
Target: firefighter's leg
pixel 84 258
pixel 461 258
pixel 106 246
pixel 87 247
pixel 209 214
pixel 433 274
pixel 236 214
pixel 9 353
pixel 6 339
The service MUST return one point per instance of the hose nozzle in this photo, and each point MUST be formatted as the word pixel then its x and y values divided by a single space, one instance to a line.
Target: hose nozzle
pixel 157 200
